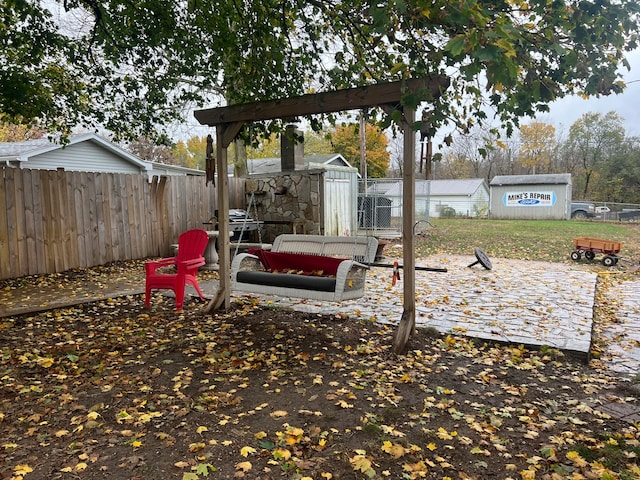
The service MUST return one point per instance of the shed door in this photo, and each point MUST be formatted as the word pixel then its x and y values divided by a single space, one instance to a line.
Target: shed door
pixel 337 207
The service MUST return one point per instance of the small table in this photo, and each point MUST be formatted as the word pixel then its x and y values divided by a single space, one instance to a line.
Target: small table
pixel 210 253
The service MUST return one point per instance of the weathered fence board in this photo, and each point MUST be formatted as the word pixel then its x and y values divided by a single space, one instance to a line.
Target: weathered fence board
pixel 51 221
pixel 5 267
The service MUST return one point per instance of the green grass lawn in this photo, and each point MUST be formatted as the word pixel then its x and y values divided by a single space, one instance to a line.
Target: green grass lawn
pixel 545 240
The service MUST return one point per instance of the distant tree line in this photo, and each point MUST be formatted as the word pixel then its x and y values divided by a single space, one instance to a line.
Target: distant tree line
pixel 603 160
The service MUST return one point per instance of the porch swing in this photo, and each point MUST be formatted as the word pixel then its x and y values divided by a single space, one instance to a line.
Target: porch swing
pixel 314 267
pixel 393 97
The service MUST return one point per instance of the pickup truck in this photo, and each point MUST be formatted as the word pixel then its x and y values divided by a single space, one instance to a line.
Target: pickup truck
pixel 582 210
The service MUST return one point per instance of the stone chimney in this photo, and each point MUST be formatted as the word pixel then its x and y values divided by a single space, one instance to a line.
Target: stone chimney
pixel 291 152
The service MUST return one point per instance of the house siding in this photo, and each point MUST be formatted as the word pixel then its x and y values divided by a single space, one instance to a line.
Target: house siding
pixel 81 157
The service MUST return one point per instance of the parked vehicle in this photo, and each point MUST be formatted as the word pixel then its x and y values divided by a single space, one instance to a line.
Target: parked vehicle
pixel 583 210
pixel 629 215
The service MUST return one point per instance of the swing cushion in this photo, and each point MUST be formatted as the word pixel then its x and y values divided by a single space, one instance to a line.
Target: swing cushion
pixel 298 263
pixel 288 280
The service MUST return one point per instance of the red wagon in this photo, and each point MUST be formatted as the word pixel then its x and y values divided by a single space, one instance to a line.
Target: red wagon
pixel 591 246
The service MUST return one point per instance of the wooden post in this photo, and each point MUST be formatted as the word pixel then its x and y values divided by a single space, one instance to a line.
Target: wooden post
pixel 223 296
pixel 225 133
pixel 408 319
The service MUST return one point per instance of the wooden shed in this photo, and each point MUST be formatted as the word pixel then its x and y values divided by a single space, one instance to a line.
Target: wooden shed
pixel 538 197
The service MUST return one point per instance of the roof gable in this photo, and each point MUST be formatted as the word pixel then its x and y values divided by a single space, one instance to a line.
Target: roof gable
pixel 45 154
pixel 467 186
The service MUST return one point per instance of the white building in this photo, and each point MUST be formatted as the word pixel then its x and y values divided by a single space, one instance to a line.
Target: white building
pixel 437 198
pixel 84 153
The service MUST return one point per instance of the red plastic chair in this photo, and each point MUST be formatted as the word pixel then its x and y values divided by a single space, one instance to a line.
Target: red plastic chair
pixel 191 246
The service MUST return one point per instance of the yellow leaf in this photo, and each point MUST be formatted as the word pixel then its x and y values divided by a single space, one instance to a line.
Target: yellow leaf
pixel 244 466
pixel 246 451
pixel 419 467
pixel 61 433
pixel 278 414
pixel 22 469
pixel 66 469
pixel 196 447
pixel 394 449
pixel 432 446
pixel 360 463
pixel 81 467
pixel 529 474
pixel 577 460
pixel 281 454
pixel 182 464
pixel 45 362
pixel 260 435
pixel 136 443
pixel 202 429
pixel 92 415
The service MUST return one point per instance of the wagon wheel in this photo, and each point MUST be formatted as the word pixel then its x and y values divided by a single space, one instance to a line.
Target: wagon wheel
pixel 609 260
pixel 405 329
pixel 589 255
pixel 482 259
pixel 576 255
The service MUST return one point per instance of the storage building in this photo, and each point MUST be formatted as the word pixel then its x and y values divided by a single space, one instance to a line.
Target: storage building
pixel 539 197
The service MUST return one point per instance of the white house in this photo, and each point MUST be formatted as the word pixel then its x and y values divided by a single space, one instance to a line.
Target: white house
pixel 436 198
pixel 86 152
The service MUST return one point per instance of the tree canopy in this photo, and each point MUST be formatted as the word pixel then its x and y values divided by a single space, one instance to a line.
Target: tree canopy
pixel 345 140
pixel 133 67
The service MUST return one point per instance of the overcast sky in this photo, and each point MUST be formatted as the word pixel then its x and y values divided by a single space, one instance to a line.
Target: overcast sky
pixel 566 111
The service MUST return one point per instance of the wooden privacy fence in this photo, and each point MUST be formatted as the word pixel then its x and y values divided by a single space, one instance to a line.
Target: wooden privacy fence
pixel 52 221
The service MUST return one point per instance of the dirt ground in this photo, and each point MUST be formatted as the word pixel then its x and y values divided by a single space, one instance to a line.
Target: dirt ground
pixel 110 390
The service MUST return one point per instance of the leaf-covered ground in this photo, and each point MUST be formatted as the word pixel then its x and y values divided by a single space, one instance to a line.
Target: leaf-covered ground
pixel 111 390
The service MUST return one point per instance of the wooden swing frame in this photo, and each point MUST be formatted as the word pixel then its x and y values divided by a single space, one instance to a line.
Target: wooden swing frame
pixel 229 120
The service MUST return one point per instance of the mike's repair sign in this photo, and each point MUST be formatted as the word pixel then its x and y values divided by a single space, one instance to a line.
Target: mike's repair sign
pixel 529 199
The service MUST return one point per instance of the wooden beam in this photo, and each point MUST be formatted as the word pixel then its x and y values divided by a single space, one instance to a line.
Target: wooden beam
pixel 230 132
pixel 317 103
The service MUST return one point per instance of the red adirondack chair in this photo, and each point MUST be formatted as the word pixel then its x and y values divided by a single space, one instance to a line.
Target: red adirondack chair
pixel 191 246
